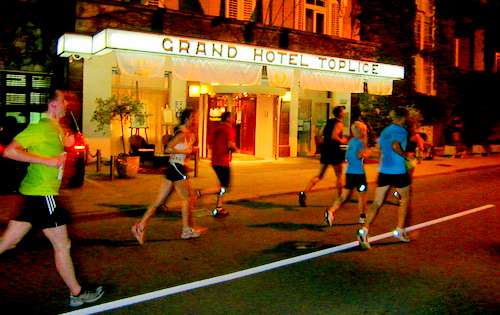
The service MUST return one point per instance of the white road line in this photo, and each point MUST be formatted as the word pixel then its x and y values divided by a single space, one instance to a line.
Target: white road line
pixel 247 272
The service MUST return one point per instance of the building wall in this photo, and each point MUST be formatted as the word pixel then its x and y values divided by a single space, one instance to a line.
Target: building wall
pixel 97 82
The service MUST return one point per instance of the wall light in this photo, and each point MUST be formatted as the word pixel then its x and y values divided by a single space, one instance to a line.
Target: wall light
pixel 287 97
pixel 194 91
pixel 204 89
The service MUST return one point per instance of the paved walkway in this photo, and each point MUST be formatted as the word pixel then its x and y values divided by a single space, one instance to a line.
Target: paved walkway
pixel 251 179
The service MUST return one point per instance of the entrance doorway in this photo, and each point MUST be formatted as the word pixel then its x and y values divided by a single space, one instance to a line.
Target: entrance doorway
pixel 245 108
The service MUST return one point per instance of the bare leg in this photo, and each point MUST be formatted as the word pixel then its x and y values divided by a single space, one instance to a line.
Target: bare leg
pixel 316 178
pixel 380 194
pixel 58 236
pixel 183 188
pixel 403 205
pixel 340 200
pixel 338 173
pixel 165 189
pixel 312 183
pixel 362 202
pixel 15 232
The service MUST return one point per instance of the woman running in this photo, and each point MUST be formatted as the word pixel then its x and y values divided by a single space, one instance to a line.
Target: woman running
pixel 357 151
pixel 180 147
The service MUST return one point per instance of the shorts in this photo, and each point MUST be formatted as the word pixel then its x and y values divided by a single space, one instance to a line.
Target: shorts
pixel 43 211
pixel 394 180
pixel 176 172
pixel 332 159
pixel 223 174
pixel 324 167
pixel 356 181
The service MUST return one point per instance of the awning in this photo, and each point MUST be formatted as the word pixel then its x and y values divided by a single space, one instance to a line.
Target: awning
pixel 215 71
pixel 323 81
pixel 142 65
pixel 233 63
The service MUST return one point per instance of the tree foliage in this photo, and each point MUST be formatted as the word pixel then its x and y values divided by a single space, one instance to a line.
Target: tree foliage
pixel 116 109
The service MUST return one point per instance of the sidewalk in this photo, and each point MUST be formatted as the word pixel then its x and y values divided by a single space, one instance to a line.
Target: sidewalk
pixel 250 179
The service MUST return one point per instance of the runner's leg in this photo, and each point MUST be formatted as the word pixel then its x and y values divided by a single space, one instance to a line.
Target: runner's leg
pixel 15 232
pixel 58 236
pixel 403 205
pixel 380 194
pixel 165 190
pixel 183 188
pixel 338 174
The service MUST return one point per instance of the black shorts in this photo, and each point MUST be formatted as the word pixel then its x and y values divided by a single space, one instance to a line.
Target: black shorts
pixel 176 172
pixel 223 174
pixel 43 211
pixel 394 180
pixel 356 181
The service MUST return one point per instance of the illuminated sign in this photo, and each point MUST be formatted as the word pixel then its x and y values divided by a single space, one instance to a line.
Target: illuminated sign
pixel 109 39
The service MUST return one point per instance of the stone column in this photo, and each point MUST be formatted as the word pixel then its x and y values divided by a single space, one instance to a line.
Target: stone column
pixel 294 113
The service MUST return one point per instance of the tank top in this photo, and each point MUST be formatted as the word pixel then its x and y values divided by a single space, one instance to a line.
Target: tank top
pixel 179 158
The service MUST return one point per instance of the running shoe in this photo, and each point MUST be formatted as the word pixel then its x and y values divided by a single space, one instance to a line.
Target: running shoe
pixel 302 199
pixel 362 235
pixel 401 235
pixel 197 193
pixel 362 218
pixel 219 212
pixel 86 296
pixel 329 217
pixel 188 233
pixel 138 232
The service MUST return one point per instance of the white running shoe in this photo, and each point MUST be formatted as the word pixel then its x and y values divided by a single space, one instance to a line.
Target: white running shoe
pixel 401 235
pixel 362 235
pixel 86 296
pixel 188 233
pixel 362 218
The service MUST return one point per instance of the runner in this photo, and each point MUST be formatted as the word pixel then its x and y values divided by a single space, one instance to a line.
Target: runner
pixel 222 145
pixel 331 153
pixel 355 175
pixel 392 173
pixel 42 145
pixel 176 175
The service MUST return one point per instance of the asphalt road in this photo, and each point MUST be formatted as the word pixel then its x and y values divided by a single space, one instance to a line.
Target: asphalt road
pixel 448 268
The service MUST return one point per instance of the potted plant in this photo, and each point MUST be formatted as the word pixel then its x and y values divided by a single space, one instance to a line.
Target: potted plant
pixel 122 109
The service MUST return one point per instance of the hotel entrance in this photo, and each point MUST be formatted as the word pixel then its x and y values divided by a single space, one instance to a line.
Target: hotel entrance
pixel 243 106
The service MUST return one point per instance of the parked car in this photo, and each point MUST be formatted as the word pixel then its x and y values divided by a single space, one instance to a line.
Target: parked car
pixel 74 168
pixel 76 155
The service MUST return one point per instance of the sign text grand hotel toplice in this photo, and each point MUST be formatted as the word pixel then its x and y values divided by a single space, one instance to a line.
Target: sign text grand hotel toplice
pixel 110 39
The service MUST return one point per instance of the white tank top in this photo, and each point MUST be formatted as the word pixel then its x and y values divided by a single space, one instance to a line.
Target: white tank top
pixel 177 157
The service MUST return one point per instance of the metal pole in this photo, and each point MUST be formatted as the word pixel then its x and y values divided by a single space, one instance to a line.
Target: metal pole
pixel 98 161
pixel 111 162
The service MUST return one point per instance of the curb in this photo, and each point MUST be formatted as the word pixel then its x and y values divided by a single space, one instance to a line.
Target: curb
pixel 229 200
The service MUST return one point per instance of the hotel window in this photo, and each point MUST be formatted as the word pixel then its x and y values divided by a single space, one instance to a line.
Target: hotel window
pixel 463 53
pixel 497 62
pixel 322 17
pixel 240 9
pixel 315 16
pixel 425 75
pixel 153 3
pixel 425 25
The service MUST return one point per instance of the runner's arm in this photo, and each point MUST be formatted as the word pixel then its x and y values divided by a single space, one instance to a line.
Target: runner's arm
pixel 15 151
pixel 396 146
pixel 337 133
